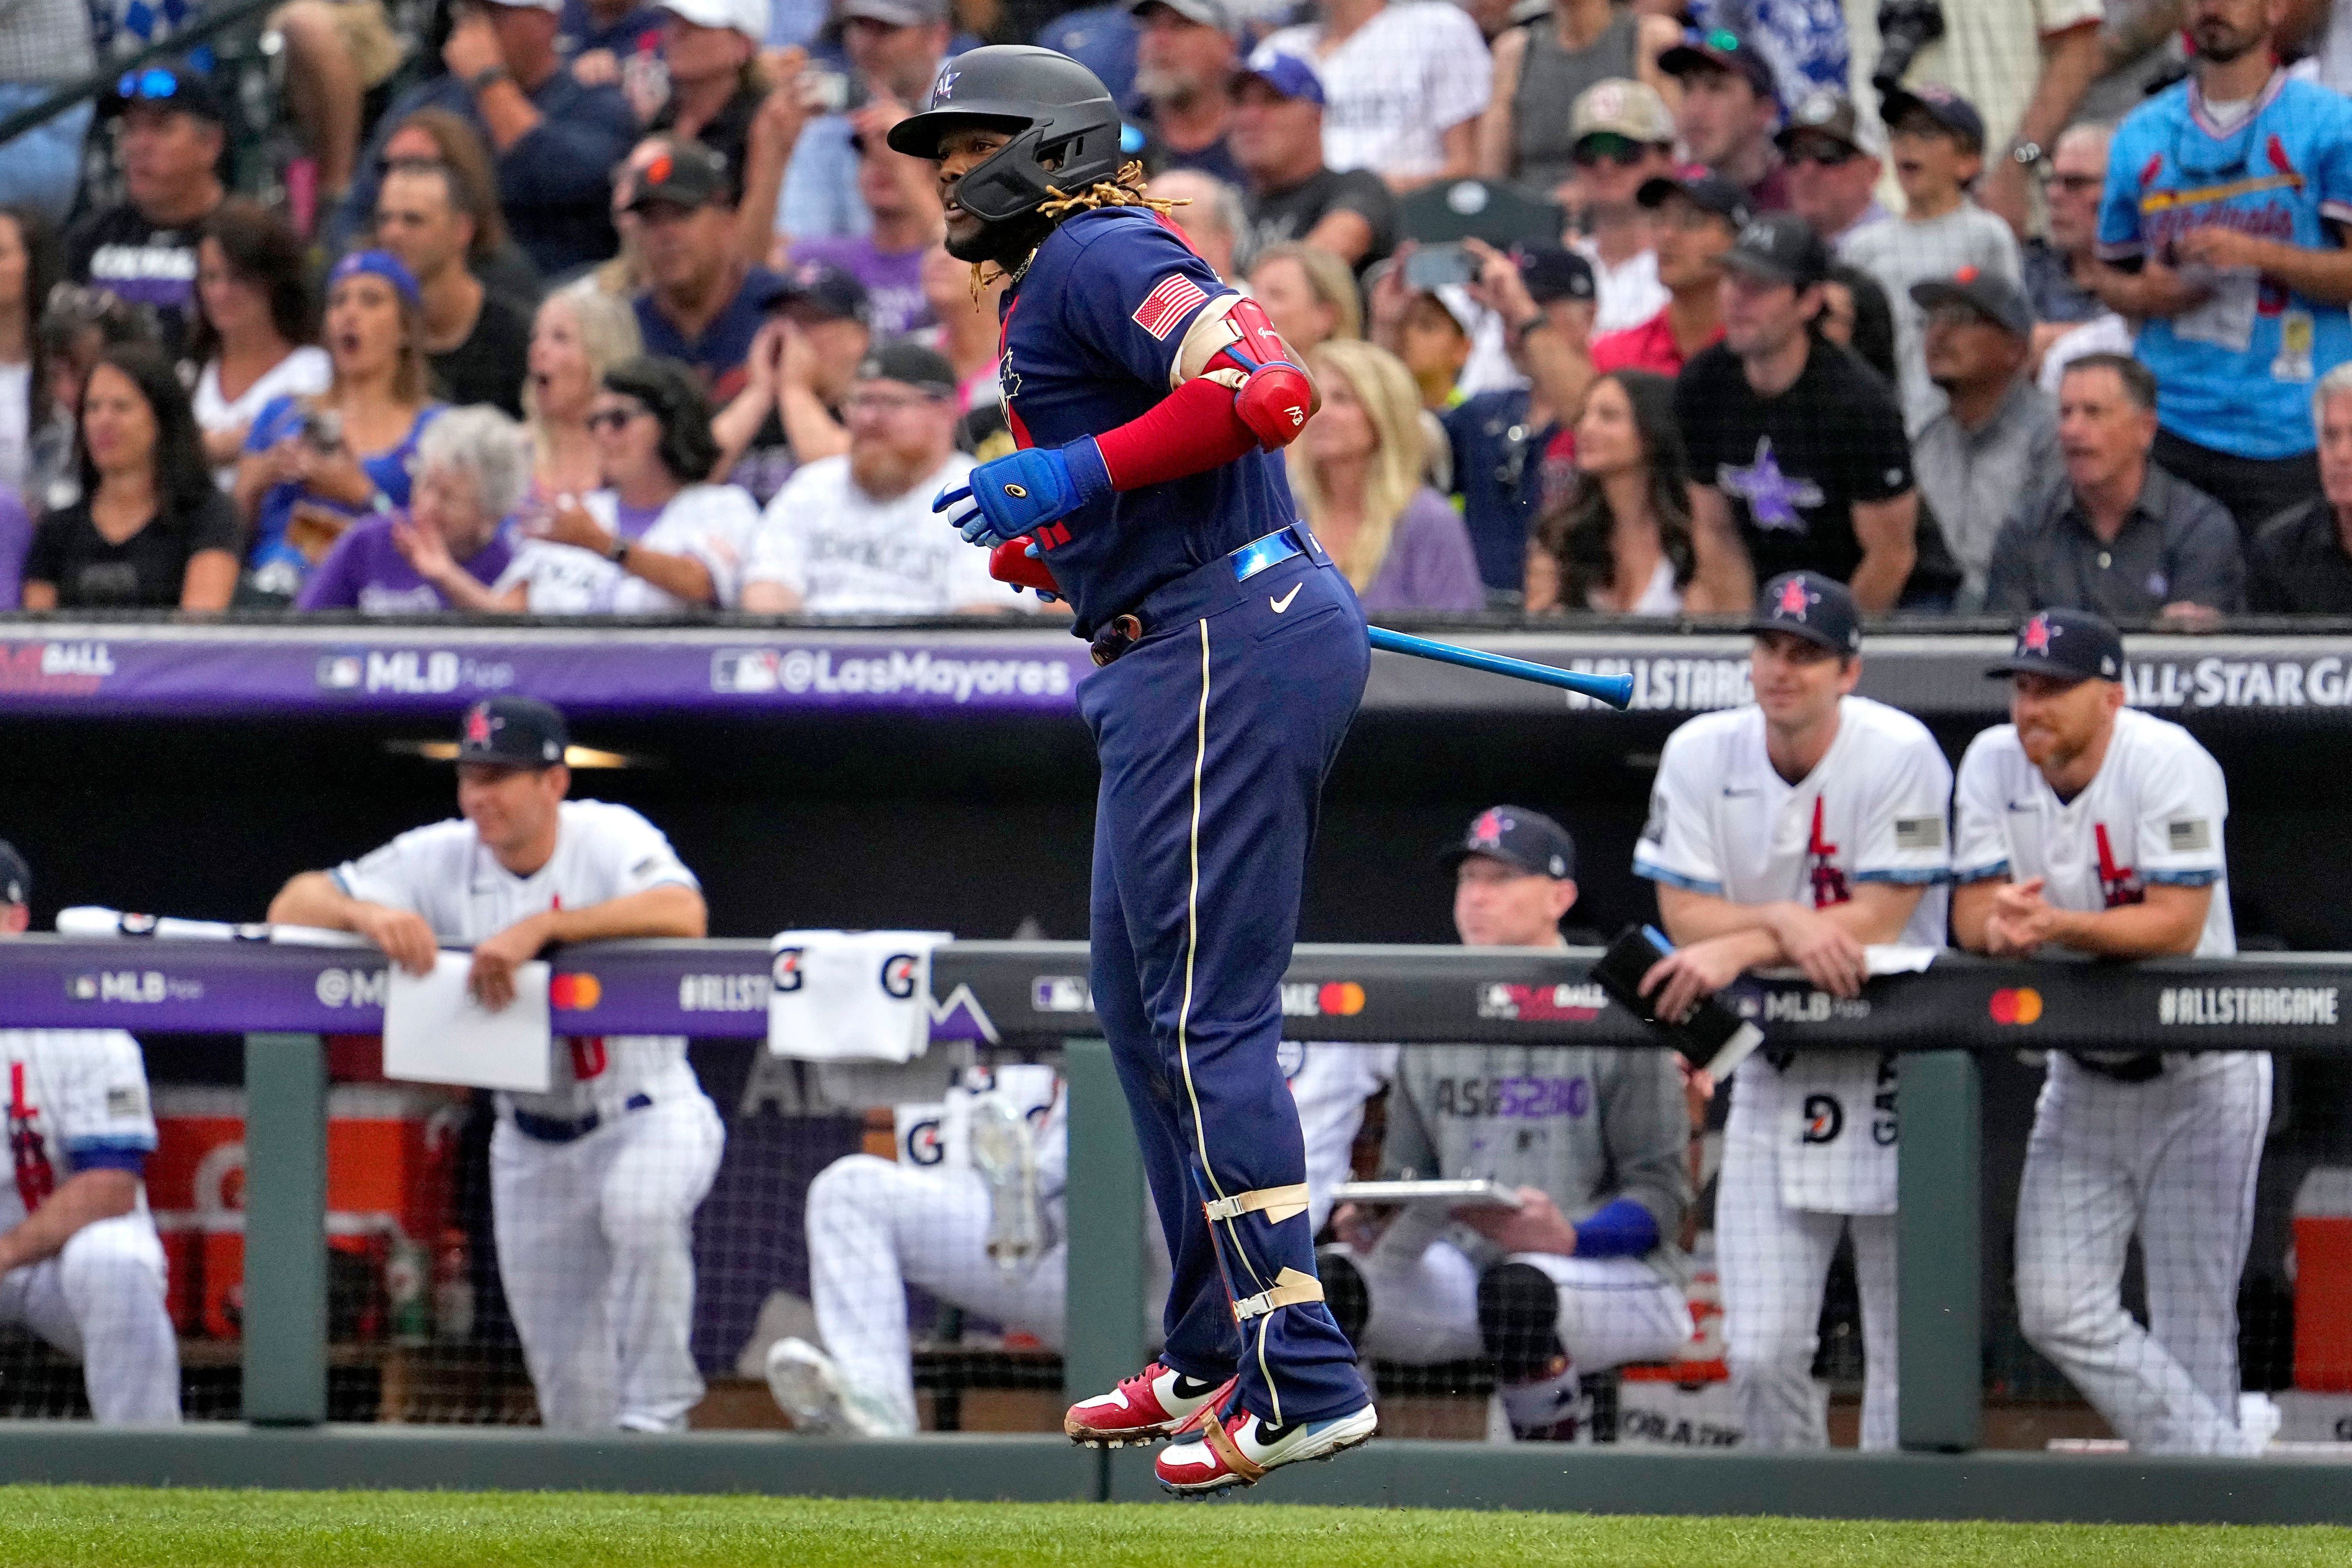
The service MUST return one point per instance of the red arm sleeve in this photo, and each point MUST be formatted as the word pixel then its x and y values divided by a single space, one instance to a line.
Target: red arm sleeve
pixel 1192 430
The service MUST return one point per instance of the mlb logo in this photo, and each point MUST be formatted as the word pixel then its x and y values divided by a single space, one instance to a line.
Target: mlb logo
pixel 341 673
pixel 743 671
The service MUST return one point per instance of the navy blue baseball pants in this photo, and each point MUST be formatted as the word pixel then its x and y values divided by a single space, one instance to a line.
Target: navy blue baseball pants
pixel 1215 733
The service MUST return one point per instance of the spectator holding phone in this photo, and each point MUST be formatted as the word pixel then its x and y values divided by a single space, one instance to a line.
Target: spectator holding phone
pixel 472 466
pixel 149 531
pixel 313 465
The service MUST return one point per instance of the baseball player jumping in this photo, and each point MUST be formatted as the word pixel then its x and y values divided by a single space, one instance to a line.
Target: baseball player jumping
pixel 1796 831
pixel 2091 826
pixel 1145 393
pixel 80 1264
pixel 594 1185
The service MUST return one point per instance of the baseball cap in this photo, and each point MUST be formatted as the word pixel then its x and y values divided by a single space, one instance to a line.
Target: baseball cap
pixel 1946 107
pixel 1516 836
pixel 173 89
pixel 1719 48
pixel 382 264
pixel 1807 604
pixel 1201 13
pixel 895 13
pixel 2065 645
pixel 1286 74
pixel 749 17
pixel 513 733
pixel 830 293
pixel 1552 271
pixel 552 7
pixel 15 876
pixel 1997 299
pixel 1780 248
pixel 688 175
pixel 904 359
pixel 1826 111
pixel 1617 107
pixel 1708 191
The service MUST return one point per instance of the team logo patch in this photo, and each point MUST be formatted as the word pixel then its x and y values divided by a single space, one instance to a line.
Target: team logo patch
pixel 1167 304
pixel 1492 823
pixel 2036 638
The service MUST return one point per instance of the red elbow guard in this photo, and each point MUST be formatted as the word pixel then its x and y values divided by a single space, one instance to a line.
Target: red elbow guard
pixel 1276 397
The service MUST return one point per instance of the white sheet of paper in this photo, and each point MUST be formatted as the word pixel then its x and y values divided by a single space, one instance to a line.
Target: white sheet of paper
pixel 435 1032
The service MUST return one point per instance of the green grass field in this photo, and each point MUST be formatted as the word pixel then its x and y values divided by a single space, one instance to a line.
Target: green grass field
pixel 132 1528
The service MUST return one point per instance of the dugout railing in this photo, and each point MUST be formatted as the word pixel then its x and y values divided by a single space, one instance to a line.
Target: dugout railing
pixel 1007 995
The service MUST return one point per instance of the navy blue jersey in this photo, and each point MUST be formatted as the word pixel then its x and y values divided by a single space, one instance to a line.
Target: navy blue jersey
pixel 1090 336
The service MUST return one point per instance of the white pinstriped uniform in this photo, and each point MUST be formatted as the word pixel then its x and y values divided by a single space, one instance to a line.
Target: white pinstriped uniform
pixel 594 1233
pixel 77 1101
pixel 1810 1149
pixel 2172 1158
pixel 876 1226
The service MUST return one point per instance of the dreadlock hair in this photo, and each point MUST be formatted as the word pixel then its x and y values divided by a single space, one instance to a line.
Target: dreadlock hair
pixel 1124 189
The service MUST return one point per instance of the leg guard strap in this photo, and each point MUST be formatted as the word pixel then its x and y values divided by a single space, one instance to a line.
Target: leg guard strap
pixel 1228 1452
pixel 1278 1203
pixel 1290 1289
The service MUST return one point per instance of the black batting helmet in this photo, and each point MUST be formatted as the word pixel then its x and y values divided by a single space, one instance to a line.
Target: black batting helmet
pixel 1050 105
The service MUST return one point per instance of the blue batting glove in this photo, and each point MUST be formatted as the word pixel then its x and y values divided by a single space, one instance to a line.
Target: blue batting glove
pixel 1022 491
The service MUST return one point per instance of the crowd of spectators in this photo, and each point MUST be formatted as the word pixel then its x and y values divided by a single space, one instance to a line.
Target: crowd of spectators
pixel 1616 307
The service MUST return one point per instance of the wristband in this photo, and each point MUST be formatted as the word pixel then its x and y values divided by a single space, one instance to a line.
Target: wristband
pixel 488 78
pixel 619 554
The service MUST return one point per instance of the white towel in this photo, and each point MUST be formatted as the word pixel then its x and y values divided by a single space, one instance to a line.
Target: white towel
pixel 842 995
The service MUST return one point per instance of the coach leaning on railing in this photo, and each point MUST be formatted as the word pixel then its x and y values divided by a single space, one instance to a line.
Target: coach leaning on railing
pixel 2089 826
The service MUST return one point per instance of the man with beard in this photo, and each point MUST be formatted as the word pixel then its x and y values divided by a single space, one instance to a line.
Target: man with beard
pixel 1183 56
pixel 1144 393
pixel 2225 216
pixel 854 534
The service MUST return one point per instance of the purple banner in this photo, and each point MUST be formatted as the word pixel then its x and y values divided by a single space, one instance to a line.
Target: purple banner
pixel 183 670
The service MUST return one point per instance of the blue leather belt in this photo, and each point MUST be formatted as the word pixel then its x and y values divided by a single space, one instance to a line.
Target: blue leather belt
pixel 555 1130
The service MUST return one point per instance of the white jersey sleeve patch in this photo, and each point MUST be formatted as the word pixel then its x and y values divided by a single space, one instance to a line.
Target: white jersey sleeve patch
pixel 2184 803
pixel 1903 837
pixel 1677 846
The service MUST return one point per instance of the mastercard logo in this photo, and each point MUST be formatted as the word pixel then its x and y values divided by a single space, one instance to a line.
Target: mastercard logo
pixel 2022 1005
pixel 1340 999
pixel 574 992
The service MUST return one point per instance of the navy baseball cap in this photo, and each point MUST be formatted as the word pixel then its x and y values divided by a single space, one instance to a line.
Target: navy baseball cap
pixel 1945 107
pixel 1720 48
pixel 1810 606
pixel 1286 74
pixel 1780 248
pixel 2065 645
pixel 1996 298
pixel 824 291
pixel 15 876
pixel 1552 271
pixel 513 733
pixel 1707 192
pixel 1516 836
pixel 175 90
pixel 688 176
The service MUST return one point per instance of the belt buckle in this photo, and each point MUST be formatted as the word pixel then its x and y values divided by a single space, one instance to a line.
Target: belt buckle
pixel 1113 638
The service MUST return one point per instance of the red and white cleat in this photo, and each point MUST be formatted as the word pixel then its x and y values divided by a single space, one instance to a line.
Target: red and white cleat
pixel 1142 1409
pixel 1236 1449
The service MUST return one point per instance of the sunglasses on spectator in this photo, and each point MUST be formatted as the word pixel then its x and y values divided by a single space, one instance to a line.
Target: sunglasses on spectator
pixel 151 86
pixel 1827 154
pixel 613 419
pixel 1608 146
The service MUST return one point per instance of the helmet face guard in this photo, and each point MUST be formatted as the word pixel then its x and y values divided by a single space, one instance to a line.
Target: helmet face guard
pixel 1011 182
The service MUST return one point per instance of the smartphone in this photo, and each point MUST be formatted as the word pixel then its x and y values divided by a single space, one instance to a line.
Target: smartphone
pixel 825 91
pixel 323 429
pixel 1436 266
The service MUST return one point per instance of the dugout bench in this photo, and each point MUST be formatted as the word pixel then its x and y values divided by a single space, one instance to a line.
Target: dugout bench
pixel 1006 993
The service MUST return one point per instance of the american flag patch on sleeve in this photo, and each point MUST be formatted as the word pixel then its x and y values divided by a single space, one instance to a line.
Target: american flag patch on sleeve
pixel 1165 305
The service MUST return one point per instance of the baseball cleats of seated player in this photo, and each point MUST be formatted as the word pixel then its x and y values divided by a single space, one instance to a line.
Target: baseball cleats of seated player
pixel 1142 1409
pixel 1234 1448
pixel 808 1386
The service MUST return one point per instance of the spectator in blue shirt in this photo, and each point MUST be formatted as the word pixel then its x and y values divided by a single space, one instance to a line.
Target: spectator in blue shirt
pixel 2229 197
pixel 554 139
pixel 894 48
pixel 703 303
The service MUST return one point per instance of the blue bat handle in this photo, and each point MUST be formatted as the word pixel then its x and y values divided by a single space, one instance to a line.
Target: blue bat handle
pixel 1616 691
